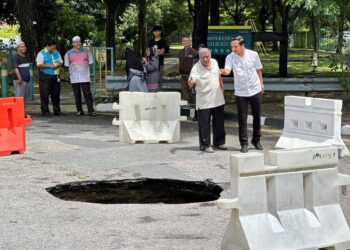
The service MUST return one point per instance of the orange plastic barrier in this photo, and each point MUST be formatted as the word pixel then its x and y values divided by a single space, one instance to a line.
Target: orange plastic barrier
pixel 12 126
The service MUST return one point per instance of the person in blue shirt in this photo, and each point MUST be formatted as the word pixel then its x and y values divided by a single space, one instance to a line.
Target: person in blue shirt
pixel 49 62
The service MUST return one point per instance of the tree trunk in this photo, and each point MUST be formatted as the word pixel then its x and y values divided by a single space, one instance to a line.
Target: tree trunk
pixel 264 14
pixel 111 9
pixel 274 25
pixel 341 24
pixel 340 43
pixel 237 16
pixel 284 19
pixel 28 21
pixel 315 32
pixel 200 22
pixel 142 28
pixel 215 12
pixel 284 12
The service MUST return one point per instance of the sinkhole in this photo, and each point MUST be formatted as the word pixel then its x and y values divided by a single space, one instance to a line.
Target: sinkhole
pixel 138 191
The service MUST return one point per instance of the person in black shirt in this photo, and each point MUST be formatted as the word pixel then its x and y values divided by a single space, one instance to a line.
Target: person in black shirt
pixel 22 74
pixel 159 43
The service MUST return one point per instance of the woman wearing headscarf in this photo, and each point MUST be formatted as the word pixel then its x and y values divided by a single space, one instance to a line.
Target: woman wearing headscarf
pixel 151 63
pixel 135 72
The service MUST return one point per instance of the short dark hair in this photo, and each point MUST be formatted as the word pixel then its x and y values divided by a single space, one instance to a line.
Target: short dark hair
pixel 157 27
pixel 51 42
pixel 240 39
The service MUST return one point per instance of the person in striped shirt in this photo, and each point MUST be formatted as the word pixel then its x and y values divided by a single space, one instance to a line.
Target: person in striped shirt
pixel 78 59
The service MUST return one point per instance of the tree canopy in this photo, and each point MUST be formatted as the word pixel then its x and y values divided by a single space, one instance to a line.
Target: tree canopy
pixel 126 23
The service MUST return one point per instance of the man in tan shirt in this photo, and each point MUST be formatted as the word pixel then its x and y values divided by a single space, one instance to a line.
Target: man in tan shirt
pixel 186 56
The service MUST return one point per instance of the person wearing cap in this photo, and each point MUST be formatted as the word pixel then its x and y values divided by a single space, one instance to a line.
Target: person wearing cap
pixel 160 45
pixel 21 69
pixel 249 87
pixel 78 60
pixel 49 62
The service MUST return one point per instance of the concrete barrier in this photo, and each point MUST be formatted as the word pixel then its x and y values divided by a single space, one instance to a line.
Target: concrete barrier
pixel 310 122
pixel 290 203
pixel 149 117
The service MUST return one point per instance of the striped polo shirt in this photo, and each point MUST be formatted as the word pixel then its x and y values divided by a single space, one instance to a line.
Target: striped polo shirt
pixel 78 62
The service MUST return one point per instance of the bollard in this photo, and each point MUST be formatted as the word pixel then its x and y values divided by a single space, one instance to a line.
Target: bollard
pixel 11 55
pixel 4 80
pixel 31 83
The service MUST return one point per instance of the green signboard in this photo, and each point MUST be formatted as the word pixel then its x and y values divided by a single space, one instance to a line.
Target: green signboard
pixel 219 38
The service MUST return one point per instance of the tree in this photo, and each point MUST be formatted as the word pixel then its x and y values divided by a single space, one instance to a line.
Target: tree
pixel 264 14
pixel 199 13
pixel 342 18
pixel 215 12
pixel 113 9
pixel 317 11
pixel 289 11
pixel 142 27
pixel 28 19
pixel 8 12
pixel 236 9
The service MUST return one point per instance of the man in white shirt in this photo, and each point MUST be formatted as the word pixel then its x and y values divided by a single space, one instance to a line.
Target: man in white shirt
pixel 210 102
pixel 249 86
pixel 78 60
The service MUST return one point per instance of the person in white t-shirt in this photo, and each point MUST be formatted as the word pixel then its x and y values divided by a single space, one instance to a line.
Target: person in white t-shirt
pixel 210 102
pixel 249 87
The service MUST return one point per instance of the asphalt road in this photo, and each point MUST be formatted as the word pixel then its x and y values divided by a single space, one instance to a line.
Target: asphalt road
pixel 68 148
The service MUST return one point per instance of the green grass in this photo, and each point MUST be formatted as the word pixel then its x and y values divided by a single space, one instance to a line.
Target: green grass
pixel 299 68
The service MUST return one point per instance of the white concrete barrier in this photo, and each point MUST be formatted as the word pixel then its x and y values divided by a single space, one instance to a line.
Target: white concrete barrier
pixel 149 117
pixel 291 203
pixel 310 122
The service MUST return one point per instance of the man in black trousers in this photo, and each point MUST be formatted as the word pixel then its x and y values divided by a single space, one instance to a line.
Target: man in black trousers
pixel 49 62
pixel 249 86
pixel 78 59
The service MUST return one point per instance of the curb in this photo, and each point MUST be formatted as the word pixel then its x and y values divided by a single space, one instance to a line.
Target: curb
pixel 265 121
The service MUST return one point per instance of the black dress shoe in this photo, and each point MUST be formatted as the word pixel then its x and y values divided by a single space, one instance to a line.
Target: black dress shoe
pixel 257 145
pixel 244 149
pixel 221 147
